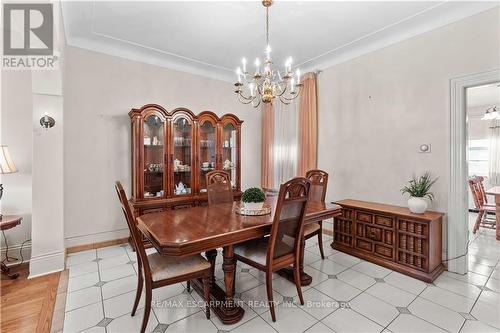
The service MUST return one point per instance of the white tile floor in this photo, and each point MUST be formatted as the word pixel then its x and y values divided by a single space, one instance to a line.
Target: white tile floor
pixel 347 295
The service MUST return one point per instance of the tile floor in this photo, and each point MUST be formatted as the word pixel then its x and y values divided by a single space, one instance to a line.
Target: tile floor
pixel 347 295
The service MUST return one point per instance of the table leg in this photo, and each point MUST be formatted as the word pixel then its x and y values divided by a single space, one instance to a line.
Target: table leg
pixel 211 256
pixel 223 304
pixel 305 279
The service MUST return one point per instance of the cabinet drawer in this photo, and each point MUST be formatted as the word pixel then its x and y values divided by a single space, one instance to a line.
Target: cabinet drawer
pixel 384 251
pixel 347 213
pixel 182 206
pixel 151 210
pixel 364 217
pixel 384 220
pixel 364 245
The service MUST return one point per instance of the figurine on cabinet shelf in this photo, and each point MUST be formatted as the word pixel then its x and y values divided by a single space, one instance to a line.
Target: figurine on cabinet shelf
pixel 180 188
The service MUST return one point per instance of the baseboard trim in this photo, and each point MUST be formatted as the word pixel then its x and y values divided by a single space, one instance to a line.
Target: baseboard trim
pixel 97 237
pixel 46 264
pixel 96 245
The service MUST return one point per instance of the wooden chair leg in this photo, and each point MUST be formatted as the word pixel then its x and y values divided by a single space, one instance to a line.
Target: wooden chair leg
pixel 206 291
pixel 478 221
pixel 147 308
pixel 320 243
pixel 296 273
pixel 138 293
pixel 269 287
pixel 188 287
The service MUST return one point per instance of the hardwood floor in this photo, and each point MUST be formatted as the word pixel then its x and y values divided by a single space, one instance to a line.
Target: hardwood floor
pixel 28 305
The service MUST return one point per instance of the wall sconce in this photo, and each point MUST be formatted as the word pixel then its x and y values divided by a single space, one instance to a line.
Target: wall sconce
pixel 47 122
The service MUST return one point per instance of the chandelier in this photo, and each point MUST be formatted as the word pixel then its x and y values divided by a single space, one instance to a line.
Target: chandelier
pixel 491 114
pixel 267 83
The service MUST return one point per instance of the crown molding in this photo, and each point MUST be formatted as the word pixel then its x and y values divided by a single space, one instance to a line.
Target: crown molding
pixel 430 19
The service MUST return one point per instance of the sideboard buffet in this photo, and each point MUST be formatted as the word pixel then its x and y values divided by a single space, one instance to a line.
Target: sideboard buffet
pixel 391 236
pixel 172 152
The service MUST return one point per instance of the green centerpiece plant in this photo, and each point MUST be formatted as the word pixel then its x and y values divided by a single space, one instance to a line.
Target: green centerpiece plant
pixel 253 198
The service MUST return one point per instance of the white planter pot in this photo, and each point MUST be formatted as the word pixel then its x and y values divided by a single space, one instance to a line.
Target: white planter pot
pixel 253 205
pixel 417 205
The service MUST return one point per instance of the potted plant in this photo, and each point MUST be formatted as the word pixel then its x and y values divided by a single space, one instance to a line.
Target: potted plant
pixel 419 190
pixel 253 198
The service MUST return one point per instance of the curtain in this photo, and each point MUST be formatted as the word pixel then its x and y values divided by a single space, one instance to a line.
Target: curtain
pixel 308 125
pixel 495 154
pixel 267 161
pixel 290 136
pixel 285 142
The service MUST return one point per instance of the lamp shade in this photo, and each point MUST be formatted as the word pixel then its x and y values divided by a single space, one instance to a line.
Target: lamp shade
pixel 6 163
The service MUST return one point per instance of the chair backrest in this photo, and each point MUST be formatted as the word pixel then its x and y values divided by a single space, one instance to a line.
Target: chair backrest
pixel 319 182
pixel 219 187
pixel 142 258
pixel 477 189
pixel 288 222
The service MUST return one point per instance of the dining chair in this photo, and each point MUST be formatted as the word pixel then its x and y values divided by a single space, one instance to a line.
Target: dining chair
pixel 282 248
pixel 319 182
pixel 481 202
pixel 156 270
pixel 219 187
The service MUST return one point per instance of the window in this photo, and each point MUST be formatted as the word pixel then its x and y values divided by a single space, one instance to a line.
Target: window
pixel 478 157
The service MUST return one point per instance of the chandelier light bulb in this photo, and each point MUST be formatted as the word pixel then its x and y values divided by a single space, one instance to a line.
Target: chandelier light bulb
pixel 244 62
pixel 238 73
pixel 251 88
pixel 292 85
pixel 298 75
pixel 257 62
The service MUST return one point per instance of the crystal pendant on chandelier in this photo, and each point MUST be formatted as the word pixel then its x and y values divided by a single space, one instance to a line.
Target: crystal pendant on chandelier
pixel 267 83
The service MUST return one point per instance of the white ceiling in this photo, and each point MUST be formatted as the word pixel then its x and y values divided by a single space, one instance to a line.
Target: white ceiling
pixel 483 96
pixel 209 38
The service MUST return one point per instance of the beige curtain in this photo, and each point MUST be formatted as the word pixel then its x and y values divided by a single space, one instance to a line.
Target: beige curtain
pixel 267 161
pixel 308 125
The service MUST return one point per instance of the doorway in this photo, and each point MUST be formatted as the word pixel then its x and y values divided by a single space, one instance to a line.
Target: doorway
pixel 458 191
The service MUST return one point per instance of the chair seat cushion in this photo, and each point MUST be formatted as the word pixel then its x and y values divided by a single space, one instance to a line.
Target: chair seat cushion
pixel 163 267
pixel 256 249
pixel 311 228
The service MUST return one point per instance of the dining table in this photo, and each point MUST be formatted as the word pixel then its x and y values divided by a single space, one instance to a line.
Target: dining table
pixel 205 229
pixel 495 191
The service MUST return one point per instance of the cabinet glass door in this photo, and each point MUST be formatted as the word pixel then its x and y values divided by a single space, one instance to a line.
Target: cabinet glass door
pixel 181 162
pixel 154 166
pixel 230 152
pixel 207 151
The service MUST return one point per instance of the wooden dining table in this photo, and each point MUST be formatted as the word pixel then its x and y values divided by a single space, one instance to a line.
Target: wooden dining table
pixel 200 229
pixel 495 191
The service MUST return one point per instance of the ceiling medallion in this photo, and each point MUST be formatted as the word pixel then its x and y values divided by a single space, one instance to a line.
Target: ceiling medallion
pixel 267 83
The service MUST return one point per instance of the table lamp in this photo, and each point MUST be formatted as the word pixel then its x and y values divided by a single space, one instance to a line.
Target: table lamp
pixel 6 166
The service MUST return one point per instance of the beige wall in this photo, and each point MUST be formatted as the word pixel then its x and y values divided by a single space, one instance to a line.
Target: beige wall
pixel 99 91
pixel 375 110
pixel 17 132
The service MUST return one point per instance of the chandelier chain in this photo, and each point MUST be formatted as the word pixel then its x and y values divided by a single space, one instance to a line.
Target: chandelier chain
pixel 267 26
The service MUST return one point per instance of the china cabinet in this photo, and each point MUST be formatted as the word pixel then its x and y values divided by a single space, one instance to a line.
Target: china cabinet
pixel 172 152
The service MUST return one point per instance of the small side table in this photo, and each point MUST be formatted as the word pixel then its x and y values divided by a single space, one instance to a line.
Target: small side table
pixel 8 222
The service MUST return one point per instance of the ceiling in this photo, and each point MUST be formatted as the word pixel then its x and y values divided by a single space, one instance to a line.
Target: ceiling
pixel 209 38
pixel 483 96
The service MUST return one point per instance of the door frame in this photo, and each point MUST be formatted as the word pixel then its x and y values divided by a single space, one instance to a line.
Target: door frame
pixel 457 219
